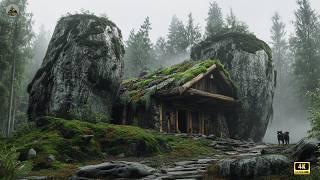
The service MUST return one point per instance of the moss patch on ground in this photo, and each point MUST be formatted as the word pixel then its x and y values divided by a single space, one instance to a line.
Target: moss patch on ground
pixel 65 139
pixel 139 90
pixel 69 140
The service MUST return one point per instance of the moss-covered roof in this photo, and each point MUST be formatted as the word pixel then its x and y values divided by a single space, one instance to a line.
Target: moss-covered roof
pixel 246 42
pixel 139 90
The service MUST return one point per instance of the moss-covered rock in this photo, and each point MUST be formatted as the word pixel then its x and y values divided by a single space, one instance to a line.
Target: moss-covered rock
pixel 81 73
pixel 249 62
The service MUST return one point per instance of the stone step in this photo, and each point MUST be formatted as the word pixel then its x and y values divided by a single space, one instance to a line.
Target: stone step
pixel 183 169
pixel 179 174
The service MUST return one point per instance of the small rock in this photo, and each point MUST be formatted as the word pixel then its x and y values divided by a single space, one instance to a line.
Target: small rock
pixel 87 138
pixel 163 171
pixel 211 136
pixel 32 153
pixel 231 153
pixel 51 158
pixel 183 163
pixel 122 155
pixel 36 178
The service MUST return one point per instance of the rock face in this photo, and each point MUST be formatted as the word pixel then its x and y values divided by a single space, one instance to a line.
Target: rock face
pixel 114 169
pixel 81 72
pixel 248 60
pixel 254 166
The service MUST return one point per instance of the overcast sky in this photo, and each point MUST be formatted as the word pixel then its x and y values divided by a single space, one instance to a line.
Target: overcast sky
pixel 128 14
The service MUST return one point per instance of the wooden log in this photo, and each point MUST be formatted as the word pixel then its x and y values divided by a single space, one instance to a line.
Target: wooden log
pixel 188 84
pixel 161 117
pixel 220 97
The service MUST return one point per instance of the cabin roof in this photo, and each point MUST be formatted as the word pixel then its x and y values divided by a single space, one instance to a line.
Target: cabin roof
pixel 173 80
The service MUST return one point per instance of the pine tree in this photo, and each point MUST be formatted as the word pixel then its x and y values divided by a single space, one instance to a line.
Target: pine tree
pixel 305 47
pixel 234 25
pixel 161 51
pixel 192 31
pixel 177 37
pixel 139 55
pixel 279 45
pixel 214 20
pixel 17 34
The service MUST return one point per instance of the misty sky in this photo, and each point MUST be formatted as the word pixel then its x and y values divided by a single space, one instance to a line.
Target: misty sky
pixel 128 14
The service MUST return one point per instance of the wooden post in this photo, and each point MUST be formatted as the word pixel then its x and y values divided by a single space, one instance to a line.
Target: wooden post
pixel 191 123
pixel 203 124
pixel 177 122
pixel 199 123
pixel 187 121
pixel 161 117
pixel 168 123
pixel 171 121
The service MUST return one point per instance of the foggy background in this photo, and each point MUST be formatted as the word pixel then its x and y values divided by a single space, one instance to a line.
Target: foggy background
pixel 129 14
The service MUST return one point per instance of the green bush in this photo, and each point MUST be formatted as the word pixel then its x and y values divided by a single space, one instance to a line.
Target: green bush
pixel 10 167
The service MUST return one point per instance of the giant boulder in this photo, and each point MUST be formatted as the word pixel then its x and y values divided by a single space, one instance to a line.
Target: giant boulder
pixel 249 63
pixel 81 72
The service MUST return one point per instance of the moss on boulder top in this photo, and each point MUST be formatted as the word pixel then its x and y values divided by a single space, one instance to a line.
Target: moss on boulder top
pixel 246 42
pixel 138 90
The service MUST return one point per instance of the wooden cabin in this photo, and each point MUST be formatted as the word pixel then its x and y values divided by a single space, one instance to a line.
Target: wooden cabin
pixel 192 97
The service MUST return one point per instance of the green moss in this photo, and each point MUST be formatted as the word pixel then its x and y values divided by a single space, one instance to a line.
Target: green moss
pixel 138 91
pixel 64 139
pixel 246 42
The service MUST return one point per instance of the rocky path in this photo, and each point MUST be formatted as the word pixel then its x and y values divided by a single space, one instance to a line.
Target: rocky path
pixel 234 158
pixel 226 148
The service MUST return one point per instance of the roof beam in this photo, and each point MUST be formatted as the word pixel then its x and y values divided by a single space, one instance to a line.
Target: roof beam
pixel 220 97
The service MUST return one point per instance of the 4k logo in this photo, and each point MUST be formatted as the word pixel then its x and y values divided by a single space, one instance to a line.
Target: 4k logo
pixel 301 168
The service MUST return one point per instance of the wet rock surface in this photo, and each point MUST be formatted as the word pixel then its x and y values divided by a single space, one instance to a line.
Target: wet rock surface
pixel 81 72
pixel 265 165
pixel 114 169
pixel 248 60
pixel 233 159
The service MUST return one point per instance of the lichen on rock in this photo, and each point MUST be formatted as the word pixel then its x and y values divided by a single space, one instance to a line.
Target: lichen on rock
pixel 81 72
pixel 249 62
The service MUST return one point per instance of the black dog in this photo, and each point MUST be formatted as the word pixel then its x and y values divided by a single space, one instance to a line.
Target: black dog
pixel 283 137
pixel 286 137
pixel 280 136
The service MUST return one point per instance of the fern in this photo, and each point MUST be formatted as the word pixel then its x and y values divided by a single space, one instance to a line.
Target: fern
pixel 10 167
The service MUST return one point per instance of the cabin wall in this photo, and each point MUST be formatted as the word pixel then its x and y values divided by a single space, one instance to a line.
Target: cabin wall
pixel 215 83
pixel 177 120
pixel 207 84
pixel 165 117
